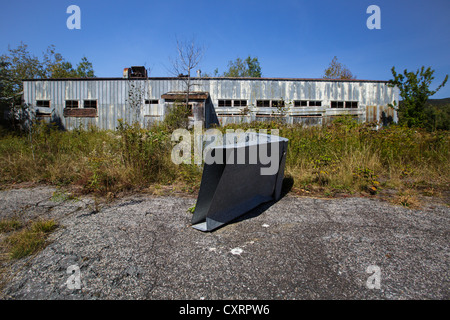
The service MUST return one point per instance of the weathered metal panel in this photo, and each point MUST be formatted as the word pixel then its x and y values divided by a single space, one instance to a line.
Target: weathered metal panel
pixel 113 104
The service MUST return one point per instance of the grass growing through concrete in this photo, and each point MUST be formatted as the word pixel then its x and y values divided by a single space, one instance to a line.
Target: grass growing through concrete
pixel 20 239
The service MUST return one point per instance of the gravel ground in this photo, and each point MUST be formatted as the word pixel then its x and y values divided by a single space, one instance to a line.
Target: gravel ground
pixel 142 247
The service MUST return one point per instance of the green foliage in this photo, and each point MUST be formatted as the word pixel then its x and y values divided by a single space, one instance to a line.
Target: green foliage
pixel 367 178
pixel 19 64
pixel 342 156
pixel 244 68
pixel 30 239
pixel 352 157
pixel 142 150
pixel 191 209
pixel 438 117
pixel 177 116
pixel 55 66
pixel 61 196
pixel 415 90
pixel 85 69
pixel 337 70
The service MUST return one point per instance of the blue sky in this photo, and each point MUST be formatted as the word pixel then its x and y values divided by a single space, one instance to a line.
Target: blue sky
pixel 293 38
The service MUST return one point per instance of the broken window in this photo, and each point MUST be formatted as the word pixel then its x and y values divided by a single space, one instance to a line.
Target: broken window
pixel 90 104
pixel 224 103
pixel 72 104
pixel 315 103
pixel 263 103
pixel 40 112
pixel 337 104
pixel 240 103
pixel 300 103
pixel 151 101
pixel 43 103
pixel 351 104
pixel 277 103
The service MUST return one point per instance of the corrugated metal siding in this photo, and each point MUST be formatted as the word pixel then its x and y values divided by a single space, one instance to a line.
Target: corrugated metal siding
pixel 112 97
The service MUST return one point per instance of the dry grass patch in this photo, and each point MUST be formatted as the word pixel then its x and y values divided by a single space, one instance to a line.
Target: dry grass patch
pixel 407 198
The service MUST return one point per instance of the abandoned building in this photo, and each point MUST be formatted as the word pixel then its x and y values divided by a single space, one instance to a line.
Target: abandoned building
pixel 136 97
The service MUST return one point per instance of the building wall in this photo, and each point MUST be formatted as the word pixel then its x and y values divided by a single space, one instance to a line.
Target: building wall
pixel 125 98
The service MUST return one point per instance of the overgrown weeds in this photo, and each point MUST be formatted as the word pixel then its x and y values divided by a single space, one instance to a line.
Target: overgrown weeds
pixel 342 157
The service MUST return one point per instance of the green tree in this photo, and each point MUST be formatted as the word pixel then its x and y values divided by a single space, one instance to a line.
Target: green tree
pixel 18 64
pixel 55 66
pixel 337 70
pixel 438 117
pixel 249 67
pixel 414 90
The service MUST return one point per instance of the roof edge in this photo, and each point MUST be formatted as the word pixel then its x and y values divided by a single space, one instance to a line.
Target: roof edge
pixel 209 78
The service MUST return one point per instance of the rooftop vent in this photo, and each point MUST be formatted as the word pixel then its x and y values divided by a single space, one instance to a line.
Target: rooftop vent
pixel 135 72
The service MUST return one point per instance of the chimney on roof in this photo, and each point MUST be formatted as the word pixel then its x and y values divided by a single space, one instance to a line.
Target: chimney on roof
pixel 199 73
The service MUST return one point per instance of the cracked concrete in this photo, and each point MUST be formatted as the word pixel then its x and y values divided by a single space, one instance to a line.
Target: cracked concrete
pixel 142 247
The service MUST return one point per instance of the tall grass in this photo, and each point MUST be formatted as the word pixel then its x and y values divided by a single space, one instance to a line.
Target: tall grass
pixel 98 161
pixel 343 156
pixel 351 157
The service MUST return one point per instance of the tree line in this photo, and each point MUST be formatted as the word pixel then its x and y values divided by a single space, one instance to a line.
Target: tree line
pixel 414 87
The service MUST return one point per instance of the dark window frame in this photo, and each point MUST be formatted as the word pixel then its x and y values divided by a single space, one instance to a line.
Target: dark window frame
pixel 70 103
pixel 315 103
pixel 225 103
pixel 278 104
pixel 300 103
pixel 90 101
pixel 151 101
pixel 239 103
pixel 351 104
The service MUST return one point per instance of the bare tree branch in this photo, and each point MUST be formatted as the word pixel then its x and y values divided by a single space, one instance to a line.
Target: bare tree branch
pixel 189 55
